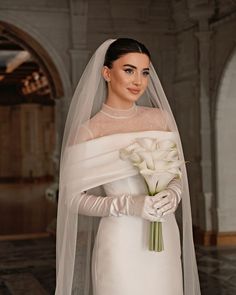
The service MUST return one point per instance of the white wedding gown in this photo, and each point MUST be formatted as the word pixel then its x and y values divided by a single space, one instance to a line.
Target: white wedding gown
pixel 122 263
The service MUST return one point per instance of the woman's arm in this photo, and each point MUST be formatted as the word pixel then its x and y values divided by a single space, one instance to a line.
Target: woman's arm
pixel 140 206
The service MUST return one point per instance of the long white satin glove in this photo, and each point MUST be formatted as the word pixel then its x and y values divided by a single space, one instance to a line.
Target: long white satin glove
pixel 168 200
pixel 139 206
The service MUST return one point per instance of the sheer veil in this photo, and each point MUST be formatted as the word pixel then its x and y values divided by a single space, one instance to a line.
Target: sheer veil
pixel 76 233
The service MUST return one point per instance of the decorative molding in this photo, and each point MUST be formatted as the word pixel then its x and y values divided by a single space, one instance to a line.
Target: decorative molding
pixel 25 180
pixel 31 236
pixel 211 238
pixel 34 9
pixel 205 238
pixel 226 239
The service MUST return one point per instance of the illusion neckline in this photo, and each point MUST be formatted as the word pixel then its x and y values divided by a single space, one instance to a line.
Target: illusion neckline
pixel 119 113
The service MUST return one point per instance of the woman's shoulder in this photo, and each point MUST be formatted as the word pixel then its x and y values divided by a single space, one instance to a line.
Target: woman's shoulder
pixel 145 110
pixel 88 128
pixel 157 116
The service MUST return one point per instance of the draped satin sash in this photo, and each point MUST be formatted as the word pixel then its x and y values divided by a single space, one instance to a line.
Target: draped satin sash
pixel 97 161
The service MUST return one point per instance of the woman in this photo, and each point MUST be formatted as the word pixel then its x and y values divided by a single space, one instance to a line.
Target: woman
pixel 104 117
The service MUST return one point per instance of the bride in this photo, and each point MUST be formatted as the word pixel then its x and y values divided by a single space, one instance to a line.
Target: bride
pixel 104 209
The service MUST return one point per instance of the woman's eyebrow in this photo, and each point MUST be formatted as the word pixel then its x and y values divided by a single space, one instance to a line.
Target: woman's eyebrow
pixel 128 65
pixel 133 67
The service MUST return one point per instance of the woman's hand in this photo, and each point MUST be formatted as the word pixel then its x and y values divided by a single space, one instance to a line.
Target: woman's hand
pixel 166 202
pixel 144 207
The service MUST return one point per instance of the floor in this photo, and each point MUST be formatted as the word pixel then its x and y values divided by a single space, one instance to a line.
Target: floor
pixel 217 270
pixel 28 268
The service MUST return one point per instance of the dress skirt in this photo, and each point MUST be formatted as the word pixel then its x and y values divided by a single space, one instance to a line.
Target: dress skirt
pixel 122 263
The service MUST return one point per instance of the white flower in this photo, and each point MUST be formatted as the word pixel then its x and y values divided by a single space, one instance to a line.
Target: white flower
pixel 130 152
pixel 166 144
pixel 160 154
pixel 157 161
pixel 157 181
pixel 147 143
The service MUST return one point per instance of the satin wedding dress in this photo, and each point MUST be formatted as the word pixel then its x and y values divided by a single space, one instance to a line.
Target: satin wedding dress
pixel 122 264
pixel 121 261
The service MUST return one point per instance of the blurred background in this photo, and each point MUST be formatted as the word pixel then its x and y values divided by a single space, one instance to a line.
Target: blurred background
pixel 44 46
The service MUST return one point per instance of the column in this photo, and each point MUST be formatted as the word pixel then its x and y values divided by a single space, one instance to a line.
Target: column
pixel 206 131
pixel 79 53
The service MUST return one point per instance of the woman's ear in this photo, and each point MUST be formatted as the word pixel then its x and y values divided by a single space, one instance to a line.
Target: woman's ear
pixel 106 73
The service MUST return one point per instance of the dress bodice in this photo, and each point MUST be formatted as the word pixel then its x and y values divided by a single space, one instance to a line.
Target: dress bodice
pixel 134 185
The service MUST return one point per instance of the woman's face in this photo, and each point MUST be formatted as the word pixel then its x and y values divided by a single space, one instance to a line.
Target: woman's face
pixel 128 78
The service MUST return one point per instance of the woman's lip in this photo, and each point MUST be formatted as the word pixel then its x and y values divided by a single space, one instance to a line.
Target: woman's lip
pixel 134 91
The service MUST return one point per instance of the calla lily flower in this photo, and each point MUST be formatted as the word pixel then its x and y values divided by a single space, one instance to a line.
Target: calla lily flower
pixel 141 166
pixel 147 143
pixel 160 154
pixel 166 144
pixel 147 157
pixel 158 162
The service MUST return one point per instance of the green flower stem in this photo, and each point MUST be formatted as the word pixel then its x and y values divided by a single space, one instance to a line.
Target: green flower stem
pixel 151 237
pixel 155 233
pixel 158 237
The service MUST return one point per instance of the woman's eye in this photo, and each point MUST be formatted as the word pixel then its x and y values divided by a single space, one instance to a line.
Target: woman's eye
pixel 146 73
pixel 129 71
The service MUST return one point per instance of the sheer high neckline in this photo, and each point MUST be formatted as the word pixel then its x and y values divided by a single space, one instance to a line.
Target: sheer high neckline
pixel 119 113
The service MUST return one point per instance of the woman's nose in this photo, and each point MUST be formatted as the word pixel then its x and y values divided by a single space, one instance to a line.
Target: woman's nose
pixel 137 79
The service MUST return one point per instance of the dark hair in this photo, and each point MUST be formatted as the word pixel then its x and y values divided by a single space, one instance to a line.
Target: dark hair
pixel 122 46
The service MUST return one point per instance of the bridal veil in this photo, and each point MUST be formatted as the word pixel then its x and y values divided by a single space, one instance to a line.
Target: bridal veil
pixel 76 233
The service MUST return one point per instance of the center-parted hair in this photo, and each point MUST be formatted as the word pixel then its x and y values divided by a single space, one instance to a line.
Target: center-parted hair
pixel 122 46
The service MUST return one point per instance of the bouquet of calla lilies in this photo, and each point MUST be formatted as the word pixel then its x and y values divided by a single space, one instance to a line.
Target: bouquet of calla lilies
pixel 158 162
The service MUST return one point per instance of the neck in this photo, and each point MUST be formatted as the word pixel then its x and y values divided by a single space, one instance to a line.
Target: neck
pixel 119 113
pixel 120 105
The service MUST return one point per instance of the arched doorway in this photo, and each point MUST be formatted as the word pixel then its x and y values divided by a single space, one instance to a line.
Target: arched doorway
pixel 30 88
pixel 226 153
